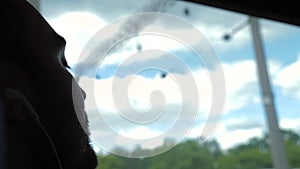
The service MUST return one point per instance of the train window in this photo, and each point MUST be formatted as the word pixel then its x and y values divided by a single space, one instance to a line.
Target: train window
pixel 166 78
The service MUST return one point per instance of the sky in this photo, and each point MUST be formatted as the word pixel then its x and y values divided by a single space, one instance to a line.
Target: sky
pixel 180 89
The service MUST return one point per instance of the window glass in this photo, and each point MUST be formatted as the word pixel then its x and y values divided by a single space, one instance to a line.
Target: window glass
pixel 145 84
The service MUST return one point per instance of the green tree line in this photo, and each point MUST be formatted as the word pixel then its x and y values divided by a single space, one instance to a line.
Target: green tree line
pixel 190 154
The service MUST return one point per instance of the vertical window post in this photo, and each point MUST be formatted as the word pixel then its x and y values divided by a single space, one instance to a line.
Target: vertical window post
pixel 277 145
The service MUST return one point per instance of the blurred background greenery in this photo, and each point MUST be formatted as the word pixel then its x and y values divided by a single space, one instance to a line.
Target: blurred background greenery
pixel 190 154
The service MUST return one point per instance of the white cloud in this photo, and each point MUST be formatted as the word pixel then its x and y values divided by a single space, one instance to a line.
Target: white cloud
pixel 227 137
pixel 139 91
pixel 230 139
pixel 290 123
pixel 241 84
pixel 242 87
pixel 289 80
pixel 235 131
pixel 77 28
pixel 142 136
pixel 140 133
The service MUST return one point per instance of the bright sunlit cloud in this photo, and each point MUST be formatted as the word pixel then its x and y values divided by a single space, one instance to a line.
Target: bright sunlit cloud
pixel 233 138
pixel 288 79
pixel 77 28
pixel 293 124
pixel 140 133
